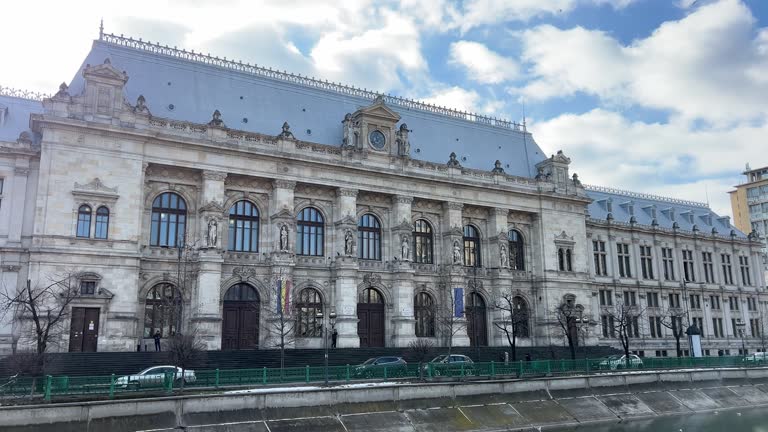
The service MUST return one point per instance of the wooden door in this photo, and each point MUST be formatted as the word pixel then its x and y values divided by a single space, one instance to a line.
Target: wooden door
pixel 84 330
pixel 370 324
pixel 477 327
pixel 230 328
pixel 240 329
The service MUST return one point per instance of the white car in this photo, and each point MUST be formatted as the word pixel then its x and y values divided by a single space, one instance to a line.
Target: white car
pixel 155 377
pixel 620 362
pixel 757 358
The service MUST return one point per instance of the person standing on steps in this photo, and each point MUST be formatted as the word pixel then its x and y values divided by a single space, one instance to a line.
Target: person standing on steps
pixel 334 336
pixel 157 341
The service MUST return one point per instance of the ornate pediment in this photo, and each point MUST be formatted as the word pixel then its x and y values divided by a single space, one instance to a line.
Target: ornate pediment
pixel 378 109
pixel 95 190
pixel 346 220
pixel 283 214
pixel 105 72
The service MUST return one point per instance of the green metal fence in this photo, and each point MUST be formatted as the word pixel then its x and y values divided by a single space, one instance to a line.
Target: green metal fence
pixel 112 386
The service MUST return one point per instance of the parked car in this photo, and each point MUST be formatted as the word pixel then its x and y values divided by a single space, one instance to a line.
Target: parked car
pixel 757 358
pixel 374 367
pixel 451 365
pixel 155 377
pixel 620 362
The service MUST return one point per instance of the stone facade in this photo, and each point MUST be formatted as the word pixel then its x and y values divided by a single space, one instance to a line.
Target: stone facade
pixel 95 149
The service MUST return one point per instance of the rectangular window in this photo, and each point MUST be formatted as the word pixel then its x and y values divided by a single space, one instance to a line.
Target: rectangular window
pixel 653 299
pixel 646 262
pixel 606 298
pixel 623 254
pixel 751 304
pixel 630 298
pixel 87 287
pixel 633 327
pixel 725 259
pixel 733 303
pixel 699 321
pixel 668 261
pixel 601 260
pixel 677 325
pixel 690 276
pixel 714 302
pixel 655 325
pixel 734 327
pixel 717 327
pixel 661 353
pixel 695 301
pixel 674 300
pixel 746 278
pixel 754 326
pixel 609 326
pixel 709 270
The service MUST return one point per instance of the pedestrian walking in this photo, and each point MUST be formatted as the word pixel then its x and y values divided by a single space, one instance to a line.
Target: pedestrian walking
pixel 334 336
pixel 157 340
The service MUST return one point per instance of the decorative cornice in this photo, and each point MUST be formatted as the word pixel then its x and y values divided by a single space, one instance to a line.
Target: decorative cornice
pixel 256 70
pixel 402 199
pixel 284 184
pixel 214 175
pixel 498 211
pixel 644 196
pixel 346 192
pixel 23 94
pixel 21 171
pixel 96 185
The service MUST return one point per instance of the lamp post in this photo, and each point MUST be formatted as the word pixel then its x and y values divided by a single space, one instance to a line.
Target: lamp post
pixel 740 325
pixel 583 324
pixel 332 320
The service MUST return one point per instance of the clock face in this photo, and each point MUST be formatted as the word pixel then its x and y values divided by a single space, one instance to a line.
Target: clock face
pixel 377 139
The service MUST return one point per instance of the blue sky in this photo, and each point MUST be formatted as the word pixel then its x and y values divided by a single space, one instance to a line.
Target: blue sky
pixel 657 96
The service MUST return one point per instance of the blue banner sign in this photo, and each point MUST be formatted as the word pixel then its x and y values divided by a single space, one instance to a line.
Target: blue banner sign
pixel 458 302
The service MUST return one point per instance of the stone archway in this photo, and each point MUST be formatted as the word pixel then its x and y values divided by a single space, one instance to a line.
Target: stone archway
pixel 370 318
pixel 240 326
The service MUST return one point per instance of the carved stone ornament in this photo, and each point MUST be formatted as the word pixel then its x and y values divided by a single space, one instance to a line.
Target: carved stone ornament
pixel 214 175
pixel 403 144
pixel 96 185
pixel 284 184
pixel 349 243
pixel 24 138
pixel 402 199
pixel 346 192
pixel 244 272
pixel 141 105
pixel 497 169
pixel 286 132
pixel 503 257
pixel 216 119
pixel 63 91
pixel 351 131
pixel 405 248
pixel 372 279
pixel 283 238
pixel 576 181
pixel 452 161
pixel 456 252
pixel 212 236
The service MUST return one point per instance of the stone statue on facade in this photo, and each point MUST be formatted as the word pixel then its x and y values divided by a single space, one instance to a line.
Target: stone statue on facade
pixel 504 258
pixel 286 132
pixel 350 132
pixel 456 252
pixel 403 144
pixel 216 119
pixel 349 240
pixel 283 238
pixel 405 248
pixel 213 233
pixel 452 161
pixel 141 105
pixel 63 91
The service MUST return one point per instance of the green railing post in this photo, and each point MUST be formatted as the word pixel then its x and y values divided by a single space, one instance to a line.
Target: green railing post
pixel 264 375
pixel 385 373
pixel 549 367
pixel 217 378
pixel 169 382
pixel 306 373
pixel 519 368
pixel 493 369
pixel 112 387
pixel 47 390
pixel 587 366
pixel 430 370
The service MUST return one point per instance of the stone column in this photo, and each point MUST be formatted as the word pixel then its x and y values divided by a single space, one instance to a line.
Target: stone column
pixel 206 301
pixel 18 196
pixel 10 283
pixel 345 269
pixel 403 284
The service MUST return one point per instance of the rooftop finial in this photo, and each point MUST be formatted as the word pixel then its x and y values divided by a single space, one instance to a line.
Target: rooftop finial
pixel 101 29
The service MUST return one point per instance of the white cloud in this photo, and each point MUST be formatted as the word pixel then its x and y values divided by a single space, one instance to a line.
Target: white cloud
pixel 482 64
pixel 708 65
pixel 662 158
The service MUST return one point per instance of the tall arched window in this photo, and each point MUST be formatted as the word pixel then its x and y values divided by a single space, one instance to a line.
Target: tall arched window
pixel 520 316
pixel 84 221
pixel 471 246
pixel 310 232
pixel 424 312
pixel 243 227
pixel 516 254
pixel 102 223
pixel 162 311
pixel 169 220
pixel 422 242
pixel 310 303
pixel 369 238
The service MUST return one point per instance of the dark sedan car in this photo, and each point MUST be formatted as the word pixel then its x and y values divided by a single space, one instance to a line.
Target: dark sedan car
pixel 382 367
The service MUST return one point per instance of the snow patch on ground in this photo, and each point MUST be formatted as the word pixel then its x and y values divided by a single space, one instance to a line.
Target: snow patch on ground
pixel 313 388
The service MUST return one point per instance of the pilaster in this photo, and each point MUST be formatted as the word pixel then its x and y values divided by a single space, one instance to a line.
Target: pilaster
pixel 18 196
pixel 345 276
pixel 403 290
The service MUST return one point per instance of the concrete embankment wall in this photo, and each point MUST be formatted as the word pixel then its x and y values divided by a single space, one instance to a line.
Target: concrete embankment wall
pixel 473 406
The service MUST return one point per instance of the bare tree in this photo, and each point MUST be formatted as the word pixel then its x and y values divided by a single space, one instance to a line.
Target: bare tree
pixel 565 324
pixel 514 322
pixel 625 320
pixel 421 349
pixel 281 322
pixel 450 319
pixel 184 350
pixel 44 305
pixel 673 319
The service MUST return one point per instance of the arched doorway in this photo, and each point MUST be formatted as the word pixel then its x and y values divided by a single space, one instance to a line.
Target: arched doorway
pixel 477 328
pixel 240 329
pixel 370 316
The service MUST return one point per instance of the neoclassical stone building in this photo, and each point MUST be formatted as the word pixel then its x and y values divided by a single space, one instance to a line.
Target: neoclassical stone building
pixel 191 193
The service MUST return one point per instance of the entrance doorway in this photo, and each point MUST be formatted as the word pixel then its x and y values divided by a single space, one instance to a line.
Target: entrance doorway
pixel 84 329
pixel 370 318
pixel 477 328
pixel 240 327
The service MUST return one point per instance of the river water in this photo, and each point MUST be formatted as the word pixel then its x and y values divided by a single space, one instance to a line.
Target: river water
pixel 733 420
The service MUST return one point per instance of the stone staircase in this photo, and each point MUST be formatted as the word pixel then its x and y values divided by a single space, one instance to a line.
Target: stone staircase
pixel 120 363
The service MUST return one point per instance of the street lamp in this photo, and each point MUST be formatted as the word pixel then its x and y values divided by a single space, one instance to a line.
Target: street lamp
pixel 583 323
pixel 332 320
pixel 740 325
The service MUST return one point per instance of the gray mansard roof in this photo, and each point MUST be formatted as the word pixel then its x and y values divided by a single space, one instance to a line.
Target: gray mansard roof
pixel 624 205
pixel 15 108
pixel 195 85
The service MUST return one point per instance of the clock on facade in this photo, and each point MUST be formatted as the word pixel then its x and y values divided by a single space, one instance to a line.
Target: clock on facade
pixel 377 139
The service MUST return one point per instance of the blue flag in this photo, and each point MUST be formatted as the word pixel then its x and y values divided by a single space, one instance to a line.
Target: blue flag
pixel 458 302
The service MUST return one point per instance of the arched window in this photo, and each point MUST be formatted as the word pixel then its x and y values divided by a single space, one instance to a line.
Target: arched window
pixel 84 221
pixel 370 295
pixel 471 246
pixel 243 227
pixel 520 316
pixel 422 242
pixel 169 220
pixel 424 312
pixel 242 292
pixel 516 254
pixel 102 223
pixel 369 238
pixel 162 311
pixel 310 303
pixel 310 232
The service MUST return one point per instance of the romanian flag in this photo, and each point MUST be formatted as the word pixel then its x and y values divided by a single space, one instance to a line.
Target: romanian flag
pixel 283 296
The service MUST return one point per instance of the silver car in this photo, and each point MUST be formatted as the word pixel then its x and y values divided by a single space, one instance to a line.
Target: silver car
pixel 155 377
